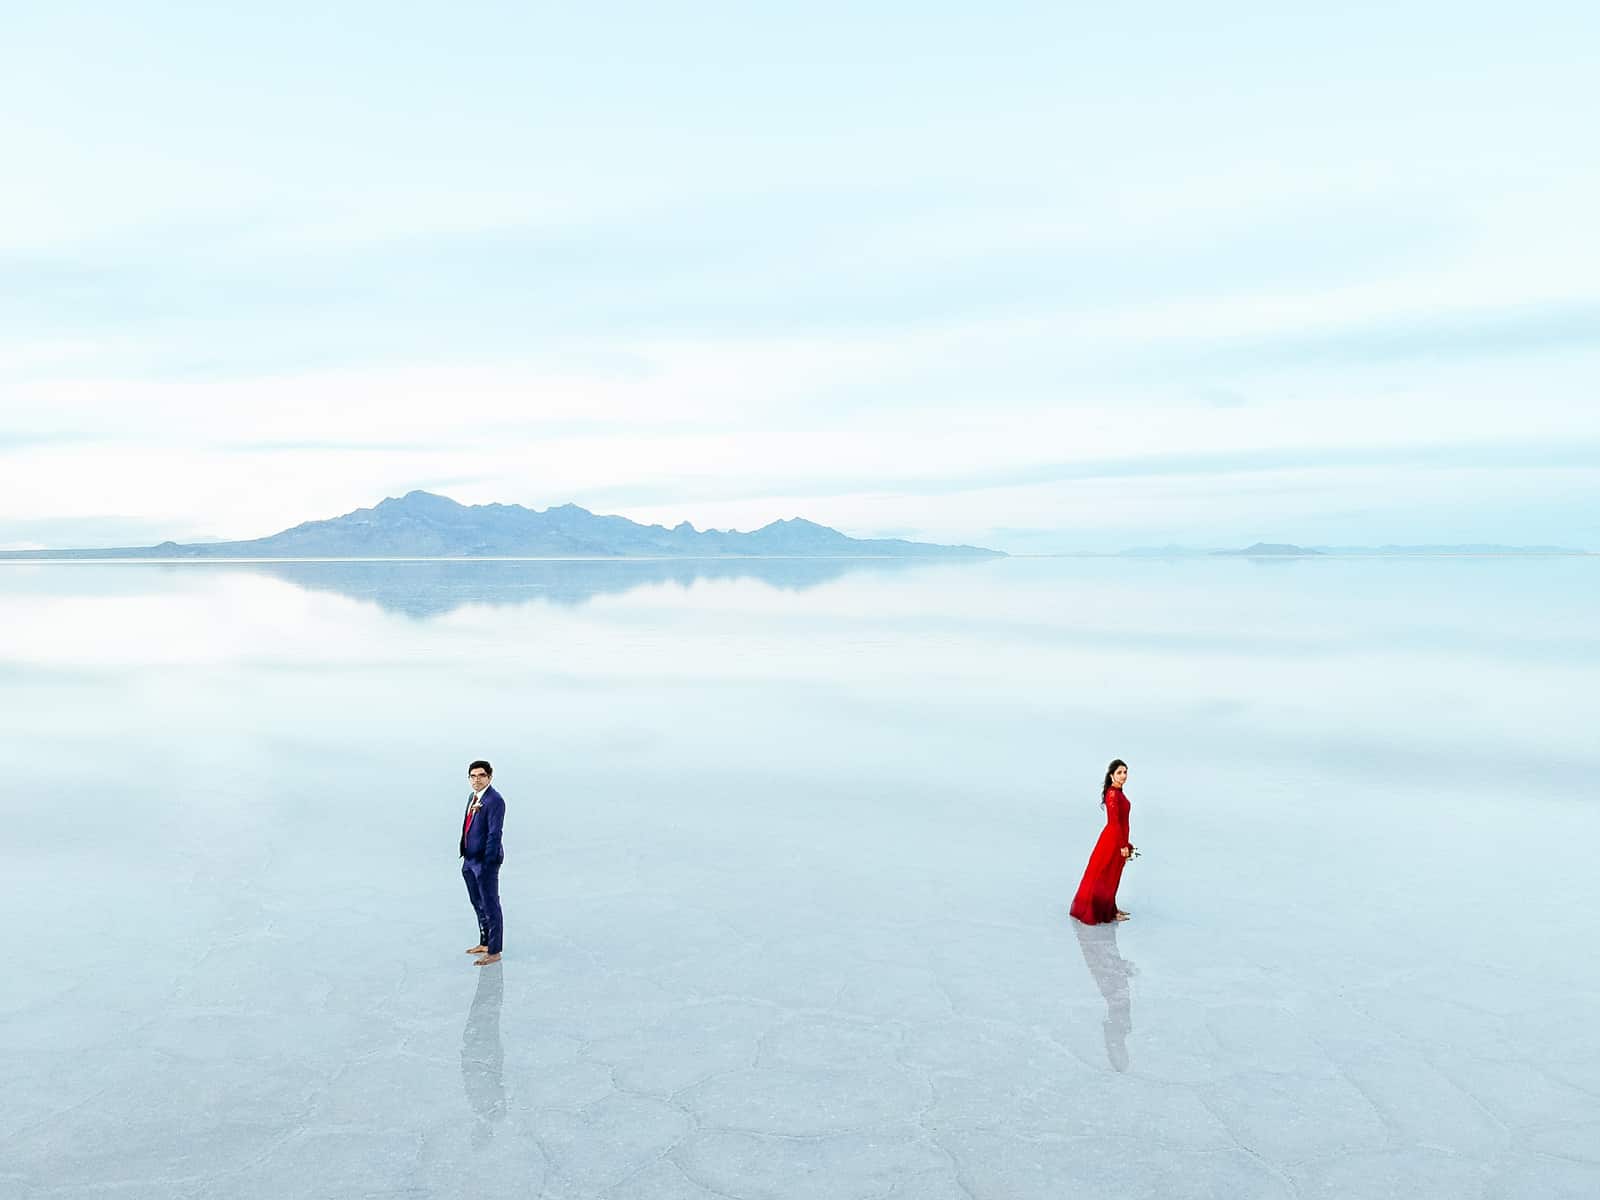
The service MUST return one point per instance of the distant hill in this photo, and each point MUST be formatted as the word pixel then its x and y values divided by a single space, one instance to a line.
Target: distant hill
pixel 1289 550
pixel 423 525
pixel 1270 550
pixel 1470 548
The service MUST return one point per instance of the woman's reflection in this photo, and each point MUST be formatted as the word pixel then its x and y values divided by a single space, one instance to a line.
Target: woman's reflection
pixel 1111 975
pixel 483 1058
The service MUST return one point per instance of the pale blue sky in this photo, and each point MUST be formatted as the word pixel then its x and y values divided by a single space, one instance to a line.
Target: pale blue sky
pixel 1042 276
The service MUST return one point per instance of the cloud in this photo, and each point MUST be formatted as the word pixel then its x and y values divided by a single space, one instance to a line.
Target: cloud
pixel 24 439
pixel 1532 329
pixel 1579 455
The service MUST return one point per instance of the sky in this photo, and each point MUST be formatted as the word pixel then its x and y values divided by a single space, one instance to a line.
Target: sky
pixel 1044 277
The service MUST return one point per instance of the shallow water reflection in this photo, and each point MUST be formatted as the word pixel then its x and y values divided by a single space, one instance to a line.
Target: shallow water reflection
pixel 483 1057
pixel 789 852
pixel 1113 976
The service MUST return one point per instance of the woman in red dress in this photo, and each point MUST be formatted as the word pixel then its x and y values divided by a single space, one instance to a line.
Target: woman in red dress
pixel 1096 901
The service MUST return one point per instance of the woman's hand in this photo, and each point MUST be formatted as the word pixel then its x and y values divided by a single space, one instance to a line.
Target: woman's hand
pixel 1127 852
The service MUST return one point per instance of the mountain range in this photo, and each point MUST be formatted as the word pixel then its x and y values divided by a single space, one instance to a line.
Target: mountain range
pixel 424 525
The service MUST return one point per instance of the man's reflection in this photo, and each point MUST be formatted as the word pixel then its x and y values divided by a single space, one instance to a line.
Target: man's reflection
pixel 1111 975
pixel 483 1058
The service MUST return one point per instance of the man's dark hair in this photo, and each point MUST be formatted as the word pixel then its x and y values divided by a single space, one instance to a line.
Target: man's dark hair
pixel 480 762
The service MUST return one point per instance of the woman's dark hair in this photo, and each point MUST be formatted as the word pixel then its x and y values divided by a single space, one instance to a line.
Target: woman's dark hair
pixel 488 770
pixel 1106 785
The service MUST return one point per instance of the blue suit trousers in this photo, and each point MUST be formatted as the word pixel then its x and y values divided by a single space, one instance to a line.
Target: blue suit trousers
pixel 483 889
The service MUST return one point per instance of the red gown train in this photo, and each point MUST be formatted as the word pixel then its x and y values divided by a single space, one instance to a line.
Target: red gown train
pixel 1096 900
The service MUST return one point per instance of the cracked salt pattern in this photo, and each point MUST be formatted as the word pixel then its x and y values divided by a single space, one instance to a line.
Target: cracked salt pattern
pixel 790 848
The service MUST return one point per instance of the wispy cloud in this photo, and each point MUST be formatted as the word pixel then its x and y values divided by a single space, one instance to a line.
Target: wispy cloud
pixel 27 439
pixel 1533 329
pixel 1553 456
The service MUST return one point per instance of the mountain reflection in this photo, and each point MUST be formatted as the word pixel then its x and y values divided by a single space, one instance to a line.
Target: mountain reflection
pixel 432 588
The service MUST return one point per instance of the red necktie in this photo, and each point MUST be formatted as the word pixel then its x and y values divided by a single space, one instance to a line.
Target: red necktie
pixel 467 824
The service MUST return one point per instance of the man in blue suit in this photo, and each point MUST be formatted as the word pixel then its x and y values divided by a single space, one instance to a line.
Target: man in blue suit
pixel 481 856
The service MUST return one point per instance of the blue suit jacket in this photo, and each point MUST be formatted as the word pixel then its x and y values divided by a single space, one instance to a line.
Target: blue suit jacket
pixel 481 843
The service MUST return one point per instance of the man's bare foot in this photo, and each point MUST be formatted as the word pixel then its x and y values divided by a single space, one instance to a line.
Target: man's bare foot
pixel 479 950
pixel 486 960
pixel 1121 916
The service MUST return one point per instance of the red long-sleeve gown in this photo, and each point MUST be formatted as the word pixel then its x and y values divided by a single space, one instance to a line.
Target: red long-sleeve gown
pixel 1096 900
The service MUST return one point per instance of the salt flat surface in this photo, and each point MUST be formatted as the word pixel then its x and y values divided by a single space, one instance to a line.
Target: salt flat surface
pixel 790 848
